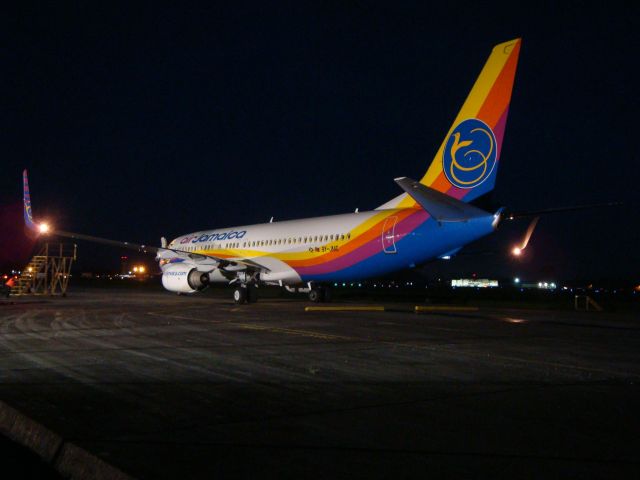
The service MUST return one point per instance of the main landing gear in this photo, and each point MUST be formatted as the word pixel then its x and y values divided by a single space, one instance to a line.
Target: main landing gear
pixel 245 293
pixel 318 294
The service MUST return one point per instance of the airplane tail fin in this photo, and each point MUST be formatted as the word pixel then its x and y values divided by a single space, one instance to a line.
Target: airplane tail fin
pixel 26 200
pixel 466 163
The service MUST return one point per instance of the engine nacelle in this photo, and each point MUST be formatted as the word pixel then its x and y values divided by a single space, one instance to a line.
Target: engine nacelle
pixel 183 278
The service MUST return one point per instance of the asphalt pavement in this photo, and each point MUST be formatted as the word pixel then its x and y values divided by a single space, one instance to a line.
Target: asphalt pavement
pixel 164 386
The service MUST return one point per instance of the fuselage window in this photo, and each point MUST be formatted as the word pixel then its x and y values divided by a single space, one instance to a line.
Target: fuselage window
pixel 348 236
pixel 342 237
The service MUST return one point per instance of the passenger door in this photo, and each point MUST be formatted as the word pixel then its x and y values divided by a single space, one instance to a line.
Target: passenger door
pixel 388 235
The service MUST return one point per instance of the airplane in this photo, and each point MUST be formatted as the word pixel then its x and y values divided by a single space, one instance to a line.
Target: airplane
pixel 432 219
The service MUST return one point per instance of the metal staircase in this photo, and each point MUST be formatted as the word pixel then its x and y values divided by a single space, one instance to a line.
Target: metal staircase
pixel 48 272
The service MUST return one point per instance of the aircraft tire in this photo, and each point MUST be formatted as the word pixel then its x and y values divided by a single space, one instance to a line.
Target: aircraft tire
pixel 326 294
pixel 252 294
pixel 315 295
pixel 240 295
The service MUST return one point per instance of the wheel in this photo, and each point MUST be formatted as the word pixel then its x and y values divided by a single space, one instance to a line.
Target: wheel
pixel 240 295
pixel 252 294
pixel 326 294
pixel 315 295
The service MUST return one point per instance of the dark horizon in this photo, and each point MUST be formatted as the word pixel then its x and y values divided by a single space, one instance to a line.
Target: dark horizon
pixel 138 123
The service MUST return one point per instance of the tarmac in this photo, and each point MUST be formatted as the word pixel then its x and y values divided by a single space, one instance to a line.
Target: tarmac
pixel 147 384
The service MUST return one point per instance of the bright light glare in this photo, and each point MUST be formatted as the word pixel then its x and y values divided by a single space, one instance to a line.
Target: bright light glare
pixel 44 228
pixel 141 269
pixel 516 251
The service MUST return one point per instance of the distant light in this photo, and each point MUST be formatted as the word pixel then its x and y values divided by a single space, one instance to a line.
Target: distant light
pixel 516 280
pixel 517 251
pixel 135 269
pixel 141 269
pixel 44 228
pixel 446 257
pixel 30 269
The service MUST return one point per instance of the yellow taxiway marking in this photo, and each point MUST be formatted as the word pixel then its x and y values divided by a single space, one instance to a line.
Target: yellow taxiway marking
pixel 444 308
pixel 345 309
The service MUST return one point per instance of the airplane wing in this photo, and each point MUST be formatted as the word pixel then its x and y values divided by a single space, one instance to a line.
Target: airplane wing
pixel 43 228
pixel 515 215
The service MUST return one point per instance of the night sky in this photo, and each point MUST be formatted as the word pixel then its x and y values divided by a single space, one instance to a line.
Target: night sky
pixel 147 121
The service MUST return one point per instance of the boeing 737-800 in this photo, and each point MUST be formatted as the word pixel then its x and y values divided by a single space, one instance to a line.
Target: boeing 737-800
pixel 432 218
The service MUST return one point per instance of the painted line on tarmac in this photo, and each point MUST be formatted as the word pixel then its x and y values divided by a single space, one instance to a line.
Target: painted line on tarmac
pixel 291 331
pixel 379 308
pixel 248 326
pixel 182 317
pixel 444 308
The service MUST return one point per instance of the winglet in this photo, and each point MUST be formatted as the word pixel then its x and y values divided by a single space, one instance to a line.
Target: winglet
pixel 26 198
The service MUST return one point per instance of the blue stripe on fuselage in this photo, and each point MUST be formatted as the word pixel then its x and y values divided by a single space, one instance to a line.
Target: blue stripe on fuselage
pixel 427 241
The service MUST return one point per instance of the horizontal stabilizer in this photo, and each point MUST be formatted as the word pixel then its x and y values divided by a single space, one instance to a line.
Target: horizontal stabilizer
pixel 440 206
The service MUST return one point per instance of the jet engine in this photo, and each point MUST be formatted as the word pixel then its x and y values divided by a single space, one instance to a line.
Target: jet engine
pixel 183 278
